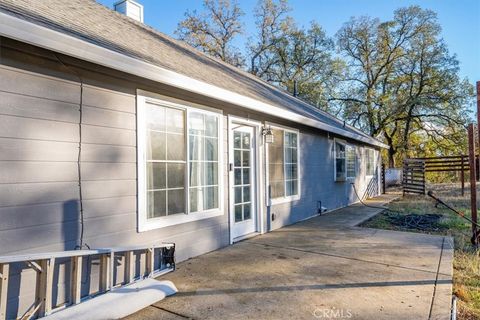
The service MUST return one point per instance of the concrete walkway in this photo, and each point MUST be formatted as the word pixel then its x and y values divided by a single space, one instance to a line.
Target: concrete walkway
pixel 322 268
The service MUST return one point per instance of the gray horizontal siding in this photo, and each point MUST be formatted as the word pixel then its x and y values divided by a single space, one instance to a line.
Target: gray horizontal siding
pixel 39 187
pixel 109 206
pixel 36 85
pixel 38 108
pixel 37 129
pixel 37 150
pixel 28 172
pixel 108 118
pixel 110 136
pixel 107 189
pixel 108 99
pixel 18 194
pixel 28 216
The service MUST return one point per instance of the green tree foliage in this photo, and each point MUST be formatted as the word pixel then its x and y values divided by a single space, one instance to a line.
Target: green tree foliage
pixel 402 82
pixel 395 80
pixel 214 30
pixel 282 53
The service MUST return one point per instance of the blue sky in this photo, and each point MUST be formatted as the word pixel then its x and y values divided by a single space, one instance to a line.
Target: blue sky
pixel 460 19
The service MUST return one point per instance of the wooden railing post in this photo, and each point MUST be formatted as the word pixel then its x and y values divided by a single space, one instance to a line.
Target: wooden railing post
pixel 104 274
pixel 76 284
pixel 44 286
pixel 4 274
pixel 129 267
pixel 149 262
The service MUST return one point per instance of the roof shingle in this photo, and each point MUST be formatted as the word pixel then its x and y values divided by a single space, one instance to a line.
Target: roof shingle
pixel 92 22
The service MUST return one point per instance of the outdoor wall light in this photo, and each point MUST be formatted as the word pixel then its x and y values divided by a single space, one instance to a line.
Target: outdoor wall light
pixel 268 134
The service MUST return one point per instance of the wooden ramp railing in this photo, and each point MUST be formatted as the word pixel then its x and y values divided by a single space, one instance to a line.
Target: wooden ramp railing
pixel 44 263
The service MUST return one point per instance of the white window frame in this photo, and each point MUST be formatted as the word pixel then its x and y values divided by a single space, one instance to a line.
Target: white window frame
pixel 283 199
pixel 355 161
pixel 344 143
pixel 145 224
pixel 374 157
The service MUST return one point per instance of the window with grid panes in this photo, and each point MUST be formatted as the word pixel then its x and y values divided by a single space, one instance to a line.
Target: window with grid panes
pixel 283 164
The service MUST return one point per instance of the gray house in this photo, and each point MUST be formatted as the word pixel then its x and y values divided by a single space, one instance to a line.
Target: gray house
pixel 113 134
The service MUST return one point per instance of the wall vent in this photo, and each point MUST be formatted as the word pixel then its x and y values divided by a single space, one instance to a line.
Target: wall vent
pixel 130 8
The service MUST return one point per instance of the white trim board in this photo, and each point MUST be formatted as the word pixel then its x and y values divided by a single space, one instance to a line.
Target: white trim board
pixel 34 34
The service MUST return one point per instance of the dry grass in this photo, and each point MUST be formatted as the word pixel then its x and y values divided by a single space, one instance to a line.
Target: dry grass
pixel 466 278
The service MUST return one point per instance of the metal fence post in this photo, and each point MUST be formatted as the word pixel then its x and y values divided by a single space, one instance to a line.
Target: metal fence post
pixel 473 180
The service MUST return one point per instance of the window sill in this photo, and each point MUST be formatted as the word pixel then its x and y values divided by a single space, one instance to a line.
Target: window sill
pixel 162 222
pixel 284 200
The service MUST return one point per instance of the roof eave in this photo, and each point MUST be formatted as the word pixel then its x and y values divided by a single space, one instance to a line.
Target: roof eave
pixel 37 35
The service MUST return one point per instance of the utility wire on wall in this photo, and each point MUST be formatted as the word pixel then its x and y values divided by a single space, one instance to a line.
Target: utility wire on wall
pixel 81 245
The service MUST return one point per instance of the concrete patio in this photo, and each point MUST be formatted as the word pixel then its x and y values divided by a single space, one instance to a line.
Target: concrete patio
pixel 322 268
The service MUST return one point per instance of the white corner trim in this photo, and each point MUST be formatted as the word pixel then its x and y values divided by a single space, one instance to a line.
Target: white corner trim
pixel 34 34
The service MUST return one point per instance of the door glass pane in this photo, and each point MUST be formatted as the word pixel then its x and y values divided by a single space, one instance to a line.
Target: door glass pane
pixel 238 194
pixel 237 176
pixel 237 158
pixel 246 176
pixel 238 213
pixel 237 140
pixel 246 141
pixel 246 158
pixel 246 211
pixel 246 194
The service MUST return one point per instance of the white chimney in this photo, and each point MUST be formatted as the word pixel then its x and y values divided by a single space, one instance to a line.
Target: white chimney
pixel 130 8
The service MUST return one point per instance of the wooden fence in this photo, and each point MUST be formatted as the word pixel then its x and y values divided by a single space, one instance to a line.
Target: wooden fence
pixel 414 170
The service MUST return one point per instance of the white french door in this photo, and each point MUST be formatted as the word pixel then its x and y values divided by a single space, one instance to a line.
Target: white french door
pixel 243 188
